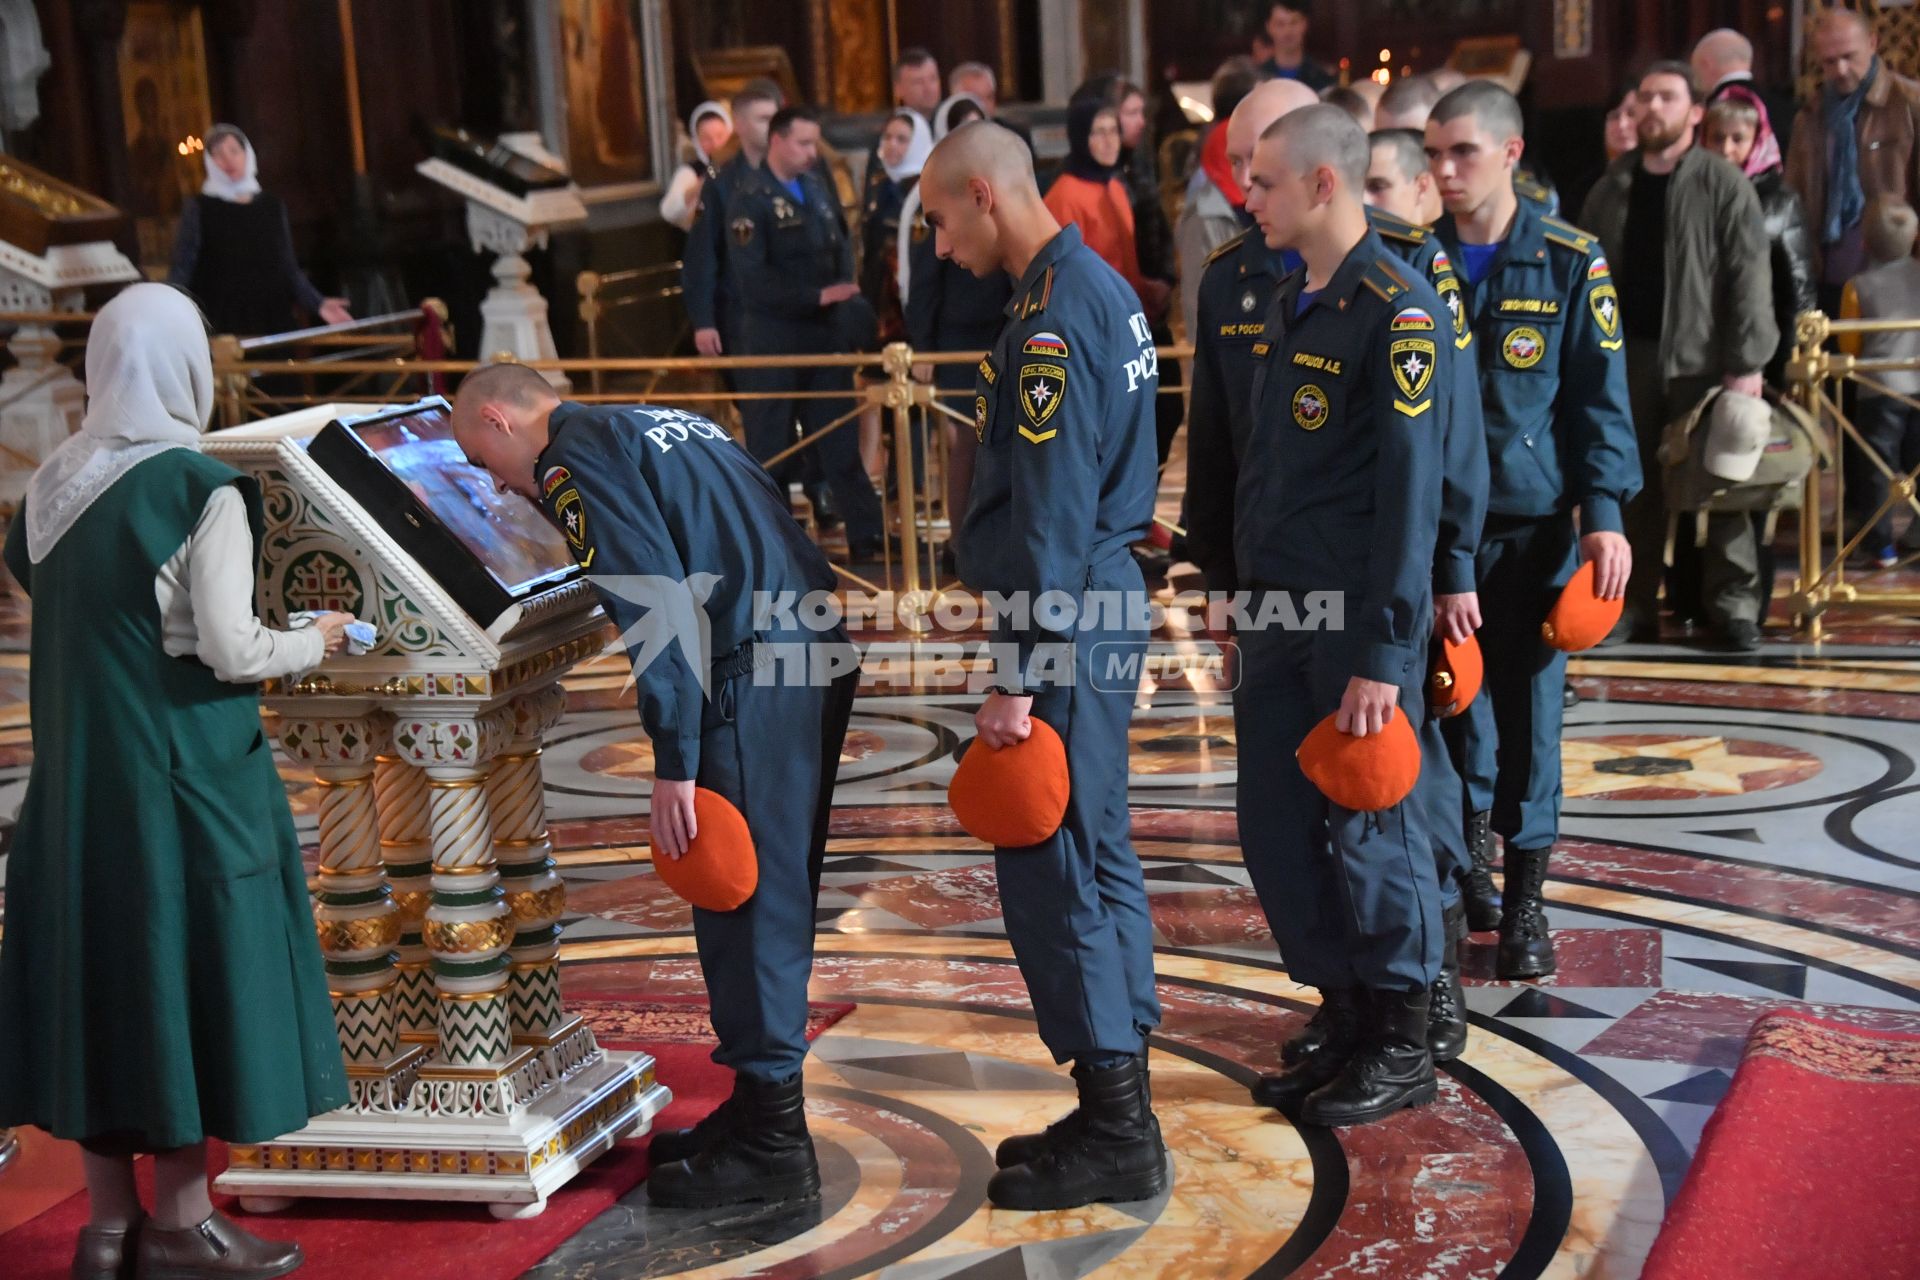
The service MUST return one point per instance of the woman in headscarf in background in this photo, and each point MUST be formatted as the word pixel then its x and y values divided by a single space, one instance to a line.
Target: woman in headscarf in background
pixel 233 250
pixel 159 977
pixel 709 129
pixel 905 144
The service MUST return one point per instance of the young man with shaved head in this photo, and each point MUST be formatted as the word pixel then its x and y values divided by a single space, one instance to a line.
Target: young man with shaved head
pixel 1239 282
pixel 684 536
pixel 1336 489
pixel 1545 318
pixel 1063 485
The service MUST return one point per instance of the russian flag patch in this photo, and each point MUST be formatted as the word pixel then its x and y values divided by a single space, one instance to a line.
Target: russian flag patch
pixel 1045 344
pixel 1411 320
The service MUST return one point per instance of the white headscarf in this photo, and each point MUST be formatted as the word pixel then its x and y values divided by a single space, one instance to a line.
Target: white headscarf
pixel 910 208
pixel 149 389
pixel 943 114
pixel 918 148
pixel 707 108
pixel 218 184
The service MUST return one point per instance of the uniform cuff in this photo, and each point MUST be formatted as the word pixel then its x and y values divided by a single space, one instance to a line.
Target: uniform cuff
pixel 1453 574
pixel 1601 514
pixel 1388 663
pixel 676 759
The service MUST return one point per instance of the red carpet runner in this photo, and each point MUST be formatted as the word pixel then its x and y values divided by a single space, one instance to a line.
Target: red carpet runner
pixel 1810 1167
pixel 357 1239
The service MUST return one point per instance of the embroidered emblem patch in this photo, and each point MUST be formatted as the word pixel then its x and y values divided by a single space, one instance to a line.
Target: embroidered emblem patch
pixel 1042 388
pixel 1310 407
pixel 1456 308
pixel 1523 347
pixel 573 518
pixel 742 230
pixel 1045 344
pixel 1248 302
pixel 1598 268
pixel 1412 361
pixel 1412 320
pixel 555 477
pixel 979 417
pixel 1605 305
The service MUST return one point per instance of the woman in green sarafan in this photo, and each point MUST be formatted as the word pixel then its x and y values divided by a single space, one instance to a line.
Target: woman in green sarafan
pixel 160 982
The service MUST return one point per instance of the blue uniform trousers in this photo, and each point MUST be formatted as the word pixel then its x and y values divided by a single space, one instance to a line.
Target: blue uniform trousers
pixel 769 424
pixel 1508 741
pixel 1443 799
pixel 773 749
pixel 1075 905
pixel 1351 897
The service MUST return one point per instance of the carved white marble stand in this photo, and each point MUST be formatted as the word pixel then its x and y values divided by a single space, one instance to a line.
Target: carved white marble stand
pixel 477 1086
pixel 513 314
pixel 41 402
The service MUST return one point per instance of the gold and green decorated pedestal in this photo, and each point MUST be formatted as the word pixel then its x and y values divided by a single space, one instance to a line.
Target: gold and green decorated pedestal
pixel 436 904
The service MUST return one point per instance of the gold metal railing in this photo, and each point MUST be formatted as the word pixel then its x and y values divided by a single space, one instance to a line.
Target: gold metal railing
pixel 917 520
pixel 1816 378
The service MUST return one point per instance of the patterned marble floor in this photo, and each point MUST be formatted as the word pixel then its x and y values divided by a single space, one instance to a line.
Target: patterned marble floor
pixel 1739 836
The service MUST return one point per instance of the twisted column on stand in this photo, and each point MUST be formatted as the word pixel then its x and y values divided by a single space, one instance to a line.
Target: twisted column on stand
pixel 400 791
pixel 535 894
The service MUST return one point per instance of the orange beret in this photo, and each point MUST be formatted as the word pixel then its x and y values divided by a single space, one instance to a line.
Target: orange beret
pixel 1455 677
pixel 1362 774
pixel 1580 619
pixel 1016 796
pixel 719 870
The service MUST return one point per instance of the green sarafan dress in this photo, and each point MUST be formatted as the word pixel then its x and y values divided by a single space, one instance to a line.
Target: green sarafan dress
pixel 160 981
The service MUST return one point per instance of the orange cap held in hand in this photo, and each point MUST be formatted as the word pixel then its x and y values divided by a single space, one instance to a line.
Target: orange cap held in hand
pixel 1580 618
pixel 719 870
pixel 1016 796
pixel 1362 774
pixel 1455 678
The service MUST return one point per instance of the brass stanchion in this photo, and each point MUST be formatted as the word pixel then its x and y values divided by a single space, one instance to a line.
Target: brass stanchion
pixel 897 360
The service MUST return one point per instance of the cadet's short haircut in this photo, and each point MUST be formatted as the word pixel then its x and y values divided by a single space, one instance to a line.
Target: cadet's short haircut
pixel 1496 109
pixel 1408 147
pixel 1670 67
pixel 1890 228
pixel 1232 82
pixel 516 384
pixel 786 117
pixel 1323 134
pixel 966 69
pixel 1350 101
pixel 912 56
pixel 758 89
pixel 1408 95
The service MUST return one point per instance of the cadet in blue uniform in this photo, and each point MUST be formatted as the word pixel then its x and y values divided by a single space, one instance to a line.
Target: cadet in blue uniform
pixel 703 266
pixel 1238 283
pixel 791 263
pixel 1063 485
pixel 1337 489
pixel 671 518
pixel 1559 438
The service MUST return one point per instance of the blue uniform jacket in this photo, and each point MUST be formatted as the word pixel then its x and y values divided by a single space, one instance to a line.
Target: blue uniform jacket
pixel 1063 408
pixel 703 265
pixel 1338 488
pixel 1553 376
pixel 784 252
pixel 657 493
pixel 1239 281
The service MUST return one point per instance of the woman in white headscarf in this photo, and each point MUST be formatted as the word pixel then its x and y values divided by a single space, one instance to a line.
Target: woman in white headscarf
pixel 905 143
pixel 709 129
pixel 233 250
pixel 159 977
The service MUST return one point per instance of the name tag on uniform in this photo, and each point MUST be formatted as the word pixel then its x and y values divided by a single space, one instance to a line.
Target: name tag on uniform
pixel 988 373
pixel 1529 306
pixel 1308 360
pixel 1261 348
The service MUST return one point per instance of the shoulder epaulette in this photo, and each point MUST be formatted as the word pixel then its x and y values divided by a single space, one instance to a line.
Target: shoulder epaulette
pixel 1038 296
pixel 1384 279
pixel 1228 247
pixel 1565 233
pixel 1398 228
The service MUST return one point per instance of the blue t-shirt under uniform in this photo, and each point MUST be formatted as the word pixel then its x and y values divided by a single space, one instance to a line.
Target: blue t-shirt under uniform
pixel 794 188
pixel 1478 259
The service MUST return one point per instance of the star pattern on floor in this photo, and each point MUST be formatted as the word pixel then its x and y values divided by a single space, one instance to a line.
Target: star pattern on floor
pixel 1707 766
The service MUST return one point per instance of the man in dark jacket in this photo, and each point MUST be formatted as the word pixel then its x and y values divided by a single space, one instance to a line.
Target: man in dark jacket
pixel 1683 232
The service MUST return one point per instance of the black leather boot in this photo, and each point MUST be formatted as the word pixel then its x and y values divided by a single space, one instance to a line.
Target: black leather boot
pixel 1446 1004
pixel 1526 949
pixel 1391 1070
pixel 764 1153
pixel 671 1145
pixel 1483 900
pixel 1112 1152
pixel 1335 1041
pixel 1022 1147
